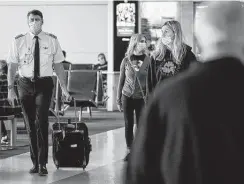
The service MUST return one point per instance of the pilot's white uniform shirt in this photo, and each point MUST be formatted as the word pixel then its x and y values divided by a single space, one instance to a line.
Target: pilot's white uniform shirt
pixel 22 53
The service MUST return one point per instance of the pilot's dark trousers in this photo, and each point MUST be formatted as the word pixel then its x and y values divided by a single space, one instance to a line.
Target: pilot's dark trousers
pixel 35 98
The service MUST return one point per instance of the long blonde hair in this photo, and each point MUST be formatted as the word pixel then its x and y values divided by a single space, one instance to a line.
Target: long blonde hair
pixel 134 40
pixel 178 47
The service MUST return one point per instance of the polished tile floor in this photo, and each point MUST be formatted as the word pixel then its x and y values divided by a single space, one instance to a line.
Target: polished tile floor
pixel 106 164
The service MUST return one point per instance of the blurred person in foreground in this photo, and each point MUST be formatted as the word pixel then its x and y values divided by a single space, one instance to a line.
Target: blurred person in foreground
pixel 192 130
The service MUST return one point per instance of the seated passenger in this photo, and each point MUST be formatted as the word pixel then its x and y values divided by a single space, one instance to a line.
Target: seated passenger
pixel 4 139
pixel 103 64
pixel 3 84
pixel 64 53
pixel 5 108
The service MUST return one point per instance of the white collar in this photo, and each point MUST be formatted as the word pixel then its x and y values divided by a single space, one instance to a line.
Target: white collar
pixel 40 35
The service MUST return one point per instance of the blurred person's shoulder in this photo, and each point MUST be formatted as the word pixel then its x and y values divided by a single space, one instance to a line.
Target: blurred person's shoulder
pixel 199 74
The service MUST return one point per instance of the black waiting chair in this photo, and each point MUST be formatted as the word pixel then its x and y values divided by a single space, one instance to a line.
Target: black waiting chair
pixel 82 86
pixel 56 103
pixel 80 67
pixel 66 66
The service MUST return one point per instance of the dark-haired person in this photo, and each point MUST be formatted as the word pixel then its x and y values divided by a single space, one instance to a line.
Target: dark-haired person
pixel 33 54
pixel 103 63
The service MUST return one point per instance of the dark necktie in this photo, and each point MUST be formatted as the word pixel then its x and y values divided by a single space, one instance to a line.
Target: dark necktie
pixel 36 59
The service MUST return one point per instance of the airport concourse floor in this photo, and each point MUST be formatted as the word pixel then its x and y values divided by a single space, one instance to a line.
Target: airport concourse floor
pixel 106 164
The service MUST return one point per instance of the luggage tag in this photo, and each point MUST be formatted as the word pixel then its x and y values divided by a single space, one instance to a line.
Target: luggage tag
pixel 63 133
pixel 70 126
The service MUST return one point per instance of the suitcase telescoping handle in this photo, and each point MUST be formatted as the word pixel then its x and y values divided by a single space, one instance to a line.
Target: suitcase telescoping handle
pixel 76 118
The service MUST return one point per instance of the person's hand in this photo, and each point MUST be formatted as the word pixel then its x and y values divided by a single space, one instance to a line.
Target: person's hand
pixel 120 107
pixel 67 96
pixel 12 97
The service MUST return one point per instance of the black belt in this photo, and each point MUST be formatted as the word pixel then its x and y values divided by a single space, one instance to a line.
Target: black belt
pixel 32 79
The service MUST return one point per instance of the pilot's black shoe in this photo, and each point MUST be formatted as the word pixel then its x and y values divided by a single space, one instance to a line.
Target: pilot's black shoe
pixel 33 170
pixel 42 170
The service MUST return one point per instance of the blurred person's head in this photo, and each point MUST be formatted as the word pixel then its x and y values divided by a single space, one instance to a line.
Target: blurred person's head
pixel 35 21
pixel 172 39
pixel 3 67
pixel 101 58
pixel 137 45
pixel 220 30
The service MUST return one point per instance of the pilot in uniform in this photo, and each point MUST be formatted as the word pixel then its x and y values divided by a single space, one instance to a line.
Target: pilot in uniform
pixel 35 84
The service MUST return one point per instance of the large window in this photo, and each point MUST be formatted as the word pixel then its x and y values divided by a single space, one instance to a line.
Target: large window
pixel 197 7
pixel 81 29
pixel 125 19
pixel 153 15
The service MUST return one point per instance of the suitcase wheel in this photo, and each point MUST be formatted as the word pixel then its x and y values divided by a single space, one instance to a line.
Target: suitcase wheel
pixel 57 166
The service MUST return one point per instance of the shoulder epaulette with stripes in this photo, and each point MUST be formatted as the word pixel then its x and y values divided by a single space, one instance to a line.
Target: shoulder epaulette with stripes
pixel 19 36
pixel 52 35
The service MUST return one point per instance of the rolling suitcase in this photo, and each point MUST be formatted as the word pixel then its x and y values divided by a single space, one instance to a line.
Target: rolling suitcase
pixel 71 143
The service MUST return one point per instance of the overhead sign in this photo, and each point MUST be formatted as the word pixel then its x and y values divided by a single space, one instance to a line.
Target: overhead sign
pixel 125 19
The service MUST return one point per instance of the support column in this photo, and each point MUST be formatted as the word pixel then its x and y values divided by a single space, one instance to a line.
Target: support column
pixel 110 76
pixel 118 39
pixel 185 16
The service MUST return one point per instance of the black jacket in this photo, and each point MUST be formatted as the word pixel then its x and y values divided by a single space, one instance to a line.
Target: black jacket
pixel 192 131
pixel 160 70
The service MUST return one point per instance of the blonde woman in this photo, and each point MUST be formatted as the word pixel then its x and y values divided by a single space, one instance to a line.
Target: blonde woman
pixel 132 84
pixel 171 55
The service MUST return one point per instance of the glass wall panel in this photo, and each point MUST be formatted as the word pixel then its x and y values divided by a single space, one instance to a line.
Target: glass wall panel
pixel 153 15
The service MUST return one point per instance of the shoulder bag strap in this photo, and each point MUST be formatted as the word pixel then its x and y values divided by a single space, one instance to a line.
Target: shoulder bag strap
pixel 143 94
